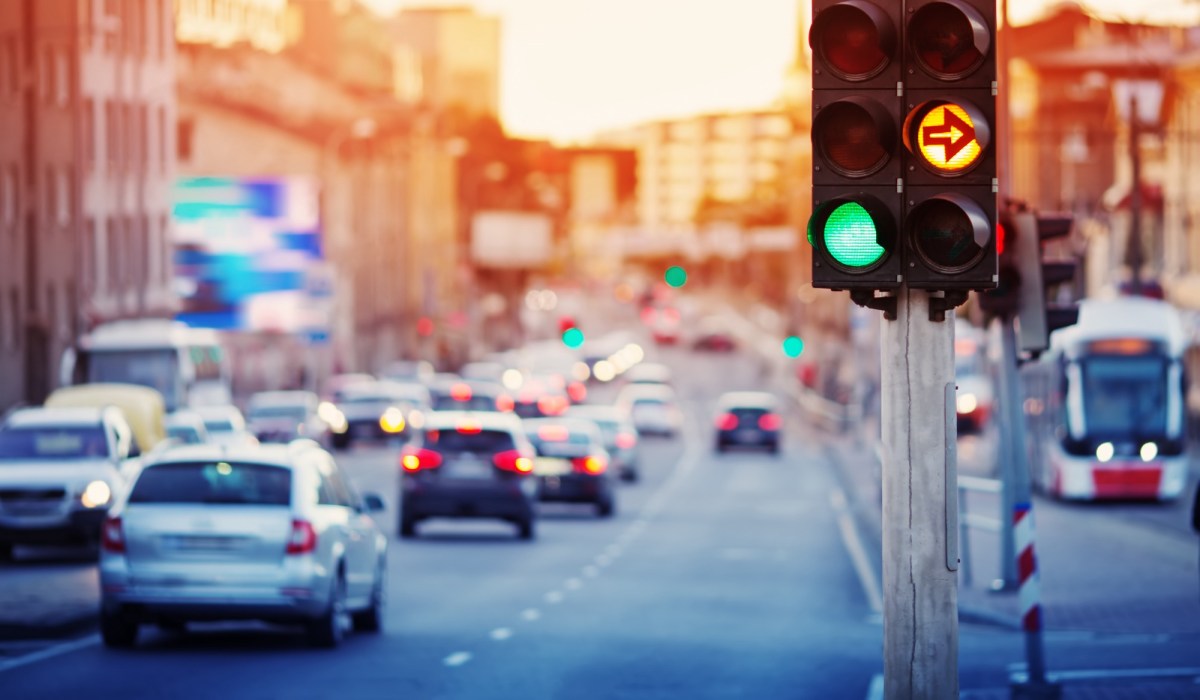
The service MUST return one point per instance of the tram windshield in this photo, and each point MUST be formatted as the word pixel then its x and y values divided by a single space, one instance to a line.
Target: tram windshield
pixel 1125 397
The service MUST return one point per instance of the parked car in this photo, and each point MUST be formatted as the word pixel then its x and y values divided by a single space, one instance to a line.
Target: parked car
pixel 274 533
pixel 652 407
pixel 468 464
pixel 571 465
pixel 280 416
pixel 748 419
pixel 186 427
pixel 60 469
pixel 648 373
pixel 620 436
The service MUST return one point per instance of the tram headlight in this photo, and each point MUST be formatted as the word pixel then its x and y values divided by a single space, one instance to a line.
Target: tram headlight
pixel 1105 451
pixel 1149 451
pixel 967 403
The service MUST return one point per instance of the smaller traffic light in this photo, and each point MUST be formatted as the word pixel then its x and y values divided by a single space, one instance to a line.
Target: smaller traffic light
pixel 1004 300
pixel 1036 317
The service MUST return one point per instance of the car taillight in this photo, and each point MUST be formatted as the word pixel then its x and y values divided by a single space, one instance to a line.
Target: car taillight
pixel 626 441
pixel 302 539
pixel 414 460
pixel 460 392
pixel 770 421
pixel 578 391
pixel 727 421
pixel 552 405
pixel 590 464
pixel 513 461
pixel 112 536
pixel 505 403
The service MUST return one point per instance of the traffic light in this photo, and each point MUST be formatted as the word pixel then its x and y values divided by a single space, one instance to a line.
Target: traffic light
pixel 1036 317
pixel 1004 301
pixel 854 229
pixel 904 168
pixel 950 106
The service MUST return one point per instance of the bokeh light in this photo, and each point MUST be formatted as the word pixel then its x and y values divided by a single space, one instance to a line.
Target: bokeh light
pixel 793 346
pixel 676 276
pixel 572 337
pixel 424 326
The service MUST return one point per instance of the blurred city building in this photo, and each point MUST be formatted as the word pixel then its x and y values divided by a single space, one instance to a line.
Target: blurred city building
pixel 87 105
pixel 449 57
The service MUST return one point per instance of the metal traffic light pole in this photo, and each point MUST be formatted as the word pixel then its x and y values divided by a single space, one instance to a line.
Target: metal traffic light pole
pixel 920 503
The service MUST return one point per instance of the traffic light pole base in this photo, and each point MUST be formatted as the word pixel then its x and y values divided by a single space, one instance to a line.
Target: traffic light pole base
pixel 867 299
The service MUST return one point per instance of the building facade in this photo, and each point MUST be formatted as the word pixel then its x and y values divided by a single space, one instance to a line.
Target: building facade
pixel 448 58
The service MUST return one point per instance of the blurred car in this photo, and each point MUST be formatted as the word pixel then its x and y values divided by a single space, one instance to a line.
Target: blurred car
pixel 648 373
pixel 226 426
pixel 748 419
pixel 338 382
pixel 378 411
pixel 142 407
pixel 470 395
pixel 419 371
pixel 274 533
pixel 541 396
pixel 652 407
pixel 186 427
pixel 620 436
pixel 664 324
pixel 712 335
pixel 281 416
pixel 571 465
pixel 60 469
pixel 468 464
pixel 975 396
pixel 487 371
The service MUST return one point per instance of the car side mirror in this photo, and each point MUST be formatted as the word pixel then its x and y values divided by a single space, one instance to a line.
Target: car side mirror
pixel 373 503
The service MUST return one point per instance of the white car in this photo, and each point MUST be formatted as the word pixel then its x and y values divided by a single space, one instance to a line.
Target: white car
pixel 653 409
pixel 60 471
pixel 186 427
pixel 225 426
pixel 282 416
pixel 274 533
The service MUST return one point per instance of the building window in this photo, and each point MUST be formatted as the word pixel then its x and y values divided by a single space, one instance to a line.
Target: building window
pixel 183 142
pixel 89 132
pixel 63 191
pixel 112 134
pixel 46 75
pixel 49 196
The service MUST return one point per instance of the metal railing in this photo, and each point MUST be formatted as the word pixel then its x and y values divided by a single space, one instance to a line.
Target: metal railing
pixel 968 520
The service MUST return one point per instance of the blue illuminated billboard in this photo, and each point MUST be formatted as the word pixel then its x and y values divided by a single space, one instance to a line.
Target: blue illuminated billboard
pixel 243 248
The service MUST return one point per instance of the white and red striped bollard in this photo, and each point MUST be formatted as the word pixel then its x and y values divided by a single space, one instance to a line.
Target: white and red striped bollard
pixel 1029 596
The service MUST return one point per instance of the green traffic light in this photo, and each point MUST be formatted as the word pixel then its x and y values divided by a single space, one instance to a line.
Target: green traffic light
pixel 572 338
pixel 851 238
pixel 793 346
pixel 675 276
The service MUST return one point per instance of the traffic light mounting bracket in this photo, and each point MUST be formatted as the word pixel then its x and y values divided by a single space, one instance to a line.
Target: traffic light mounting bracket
pixel 947 300
pixel 883 301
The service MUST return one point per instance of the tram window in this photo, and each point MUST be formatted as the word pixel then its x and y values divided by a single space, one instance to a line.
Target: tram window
pixel 1124 395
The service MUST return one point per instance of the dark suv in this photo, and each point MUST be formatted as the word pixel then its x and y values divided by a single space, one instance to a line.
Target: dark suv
pixel 468 464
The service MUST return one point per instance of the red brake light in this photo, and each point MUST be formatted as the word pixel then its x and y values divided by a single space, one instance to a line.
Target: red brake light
pixel 553 433
pixel 112 536
pixel 513 461
pixel 469 428
pixel 414 460
pixel 770 421
pixel 303 538
pixel 505 403
pixel 727 421
pixel 590 465
pixel 626 440
pixel 578 391
pixel 460 392
pixel 552 405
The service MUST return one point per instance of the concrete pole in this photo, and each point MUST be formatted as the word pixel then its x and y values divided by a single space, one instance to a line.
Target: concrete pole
pixel 920 504
pixel 1134 256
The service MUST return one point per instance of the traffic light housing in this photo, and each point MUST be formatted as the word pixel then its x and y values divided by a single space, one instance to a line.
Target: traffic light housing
pixel 904 167
pixel 1037 317
pixel 1004 301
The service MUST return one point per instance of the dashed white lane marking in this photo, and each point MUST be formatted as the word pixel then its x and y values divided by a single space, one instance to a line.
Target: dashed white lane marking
pixel 458 658
pixel 573 584
pixel 591 571
pixel 530 614
pixel 501 633
pixel 554 597
pixel 858 554
pixel 50 652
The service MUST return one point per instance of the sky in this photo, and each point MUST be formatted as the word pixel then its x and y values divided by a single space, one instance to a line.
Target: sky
pixel 571 68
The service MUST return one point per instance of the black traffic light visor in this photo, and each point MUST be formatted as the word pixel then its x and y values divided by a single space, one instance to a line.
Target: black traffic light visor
pixel 949 232
pixel 855 40
pixel 949 39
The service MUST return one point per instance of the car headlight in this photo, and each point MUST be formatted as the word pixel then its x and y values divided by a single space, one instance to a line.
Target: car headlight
pixel 967 403
pixel 392 420
pixel 96 494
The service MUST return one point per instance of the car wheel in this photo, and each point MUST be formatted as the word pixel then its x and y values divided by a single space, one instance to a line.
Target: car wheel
pixel 327 631
pixel 721 447
pixel 371 619
pixel 117 630
pixel 341 441
pixel 525 529
pixel 408 527
pixel 629 475
pixel 605 507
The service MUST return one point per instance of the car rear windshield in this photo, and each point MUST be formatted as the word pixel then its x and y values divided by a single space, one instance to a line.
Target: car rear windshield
pixel 480 441
pixel 82 442
pixel 475 403
pixel 214 482
pixel 571 445
pixel 219 426
pixel 295 412
pixel 748 412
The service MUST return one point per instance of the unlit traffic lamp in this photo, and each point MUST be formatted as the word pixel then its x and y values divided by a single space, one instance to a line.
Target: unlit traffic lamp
pixel 950 106
pixel 854 229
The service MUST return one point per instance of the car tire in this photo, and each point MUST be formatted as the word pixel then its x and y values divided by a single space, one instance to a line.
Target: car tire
pixel 408 527
pixel 629 476
pixel 326 631
pixel 117 630
pixel 525 529
pixel 773 448
pixel 605 507
pixel 371 619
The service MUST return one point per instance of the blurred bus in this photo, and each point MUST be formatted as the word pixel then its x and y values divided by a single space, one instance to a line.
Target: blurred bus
pixel 186 365
pixel 1105 404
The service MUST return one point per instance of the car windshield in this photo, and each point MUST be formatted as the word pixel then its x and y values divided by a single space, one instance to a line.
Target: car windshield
pixel 283 411
pixel 561 445
pixel 479 441
pixel 55 443
pixel 214 482
pixel 219 425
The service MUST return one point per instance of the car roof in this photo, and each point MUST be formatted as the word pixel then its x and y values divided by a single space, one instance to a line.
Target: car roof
pixel 217 411
pixel 651 391
pixel 488 420
pixel 748 399
pixel 278 398
pixel 184 417
pixel 279 455
pixel 54 416
pixel 596 410
pixel 572 424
